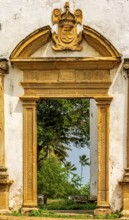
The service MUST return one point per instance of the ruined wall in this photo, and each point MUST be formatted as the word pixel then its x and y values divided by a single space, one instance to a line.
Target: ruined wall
pixel 20 18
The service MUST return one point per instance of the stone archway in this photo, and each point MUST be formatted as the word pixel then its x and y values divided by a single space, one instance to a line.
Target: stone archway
pixel 65 77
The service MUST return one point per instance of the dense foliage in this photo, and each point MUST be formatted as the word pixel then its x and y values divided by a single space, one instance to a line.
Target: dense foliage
pixel 62 122
pixel 53 179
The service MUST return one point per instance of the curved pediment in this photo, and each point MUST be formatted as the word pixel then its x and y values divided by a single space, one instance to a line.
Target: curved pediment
pixel 99 42
pixel 30 44
pixel 33 42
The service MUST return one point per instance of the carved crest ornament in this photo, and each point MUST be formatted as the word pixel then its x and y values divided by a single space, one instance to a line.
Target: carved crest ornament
pixel 67 37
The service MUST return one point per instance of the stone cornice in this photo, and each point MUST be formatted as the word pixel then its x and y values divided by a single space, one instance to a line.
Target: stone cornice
pixel 4 66
pixel 100 63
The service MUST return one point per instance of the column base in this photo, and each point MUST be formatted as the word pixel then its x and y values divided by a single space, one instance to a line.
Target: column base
pixel 5 212
pixel 125 214
pixel 125 187
pixel 26 210
pixel 5 184
pixel 102 210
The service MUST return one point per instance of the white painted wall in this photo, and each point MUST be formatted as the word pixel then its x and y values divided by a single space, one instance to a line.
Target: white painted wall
pixel 93 149
pixel 118 135
pixel 13 135
pixel 20 18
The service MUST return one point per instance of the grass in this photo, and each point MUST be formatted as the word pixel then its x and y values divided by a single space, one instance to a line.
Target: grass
pixel 16 213
pixel 67 205
pixel 60 204
pixel 50 214
pixel 111 216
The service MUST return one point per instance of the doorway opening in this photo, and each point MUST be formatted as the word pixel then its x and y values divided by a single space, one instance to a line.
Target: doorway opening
pixel 63 146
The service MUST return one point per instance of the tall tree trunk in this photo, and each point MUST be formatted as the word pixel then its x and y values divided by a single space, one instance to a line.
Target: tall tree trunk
pixel 81 175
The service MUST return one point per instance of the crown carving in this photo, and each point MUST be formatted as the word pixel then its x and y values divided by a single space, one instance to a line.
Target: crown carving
pixel 67 37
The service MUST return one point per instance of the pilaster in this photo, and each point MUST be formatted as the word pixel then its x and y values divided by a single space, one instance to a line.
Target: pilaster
pixel 4 177
pixel 125 182
pixel 30 155
pixel 103 206
pixel 3 71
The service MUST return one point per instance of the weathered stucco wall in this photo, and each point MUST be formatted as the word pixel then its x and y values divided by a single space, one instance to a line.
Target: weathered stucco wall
pixel 118 128
pixel 20 18
pixel 13 134
pixel 93 149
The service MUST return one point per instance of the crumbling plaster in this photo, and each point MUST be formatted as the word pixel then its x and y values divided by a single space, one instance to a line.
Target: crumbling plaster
pixel 13 134
pixel 20 18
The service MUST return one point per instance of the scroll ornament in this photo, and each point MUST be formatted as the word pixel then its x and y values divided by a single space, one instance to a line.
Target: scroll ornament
pixel 67 37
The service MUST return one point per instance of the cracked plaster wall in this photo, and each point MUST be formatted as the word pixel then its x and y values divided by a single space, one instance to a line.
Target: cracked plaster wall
pixel 20 18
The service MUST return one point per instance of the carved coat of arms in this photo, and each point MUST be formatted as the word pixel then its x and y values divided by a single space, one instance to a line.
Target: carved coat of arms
pixel 67 37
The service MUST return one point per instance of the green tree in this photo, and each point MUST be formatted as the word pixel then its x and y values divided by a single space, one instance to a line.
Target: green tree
pixel 84 160
pixel 70 168
pixel 53 179
pixel 85 190
pixel 60 123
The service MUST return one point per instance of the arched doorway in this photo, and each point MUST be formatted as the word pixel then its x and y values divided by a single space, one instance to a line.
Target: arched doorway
pixel 65 77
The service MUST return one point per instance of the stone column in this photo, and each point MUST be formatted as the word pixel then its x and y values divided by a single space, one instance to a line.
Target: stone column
pixel 103 206
pixel 4 178
pixel 29 155
pixel 125 182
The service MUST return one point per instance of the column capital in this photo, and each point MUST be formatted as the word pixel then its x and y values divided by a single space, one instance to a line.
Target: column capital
pixel 3 66
pixel 126 66
pixel 104 100
pixel 29 100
